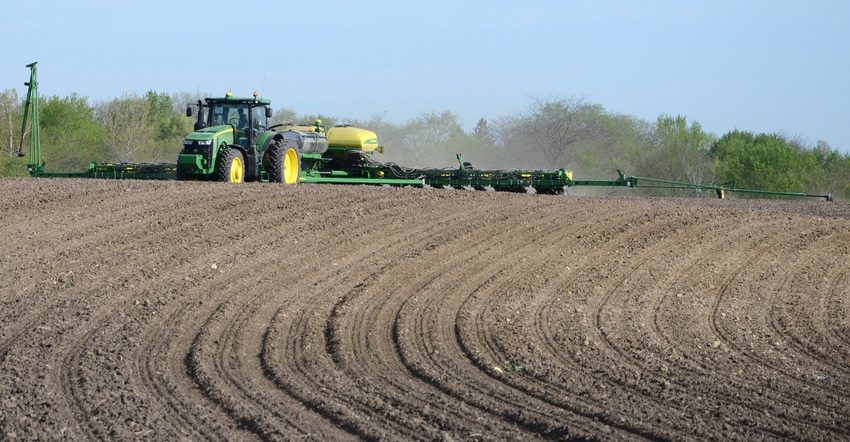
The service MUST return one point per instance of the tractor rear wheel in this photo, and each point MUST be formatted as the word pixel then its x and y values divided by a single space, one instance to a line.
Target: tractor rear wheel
pixel 230 167
pixel 284 164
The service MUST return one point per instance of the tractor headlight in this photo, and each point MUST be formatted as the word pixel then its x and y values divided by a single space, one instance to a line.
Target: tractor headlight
pixel 188 142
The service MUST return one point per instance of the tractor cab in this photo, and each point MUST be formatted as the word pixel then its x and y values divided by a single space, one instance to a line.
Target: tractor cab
pixel 248 118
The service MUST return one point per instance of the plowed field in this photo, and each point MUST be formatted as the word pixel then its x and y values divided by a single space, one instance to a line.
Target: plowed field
pixel 205 311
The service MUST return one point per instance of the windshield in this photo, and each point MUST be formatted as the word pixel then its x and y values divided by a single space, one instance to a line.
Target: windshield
pixel 233 114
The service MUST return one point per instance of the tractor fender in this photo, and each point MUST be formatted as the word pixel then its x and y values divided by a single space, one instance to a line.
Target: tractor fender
pixel 264 149
pixel 268 142
pixel 228 146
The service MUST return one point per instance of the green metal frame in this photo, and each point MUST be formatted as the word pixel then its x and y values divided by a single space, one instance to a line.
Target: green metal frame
pixel 35 165
pixel 720 190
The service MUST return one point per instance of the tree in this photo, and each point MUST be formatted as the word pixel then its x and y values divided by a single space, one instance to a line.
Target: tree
pixel 126 127
pixel 11 115
pixel 431 139
pixel 310 120
pixel 832 174
pixel 763 162
pixel 284 115
pixel 10 121
pixel 626 140
pixel 684 149
pixel 482 133
pixel 70 138
pixel 556 127
pixel 171 125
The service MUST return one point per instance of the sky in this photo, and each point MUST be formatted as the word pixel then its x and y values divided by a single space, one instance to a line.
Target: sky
pixel 764 66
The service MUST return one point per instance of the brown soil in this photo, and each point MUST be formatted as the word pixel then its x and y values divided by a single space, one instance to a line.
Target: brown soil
pixel 204 311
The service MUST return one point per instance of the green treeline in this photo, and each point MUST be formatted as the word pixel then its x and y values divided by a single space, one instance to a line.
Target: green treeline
pixel 554 132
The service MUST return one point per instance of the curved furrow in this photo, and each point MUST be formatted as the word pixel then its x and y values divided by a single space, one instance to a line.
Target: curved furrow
pixel 226 361
pixel 30 391
pixel 294 356
pixel 109 351
pixel 743 296
pixel 420 329
pixel 417 243
pixel 228 338
pixel 684 398
pixel 806 367
pixel 160 364
pixel 699 370
pixel 631 375
pixel 361 342
pixel 229 357
pixel 705 413
pixel 639 375
pixel 691 285
pixel 75 313
pixel 662 272
pixel 547 365
pixel 837 307
pixel 111 345
pixel 218 361
pixel 368 346
pixel 226 358
pixel 14 330
pixel 83 362
pixel 322 269
pixel 695 351
pixel 798 309
pixel 433 325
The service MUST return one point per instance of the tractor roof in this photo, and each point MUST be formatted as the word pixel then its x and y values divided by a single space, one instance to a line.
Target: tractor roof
pixel 229 98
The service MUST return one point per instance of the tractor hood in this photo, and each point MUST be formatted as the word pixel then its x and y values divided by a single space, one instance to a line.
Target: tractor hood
pixel 209 133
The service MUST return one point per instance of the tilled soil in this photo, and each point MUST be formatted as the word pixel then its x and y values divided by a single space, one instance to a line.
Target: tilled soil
pixel 204 311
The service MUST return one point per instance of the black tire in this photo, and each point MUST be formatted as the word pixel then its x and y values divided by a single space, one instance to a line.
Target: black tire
pixel 284 163
pixel 230 167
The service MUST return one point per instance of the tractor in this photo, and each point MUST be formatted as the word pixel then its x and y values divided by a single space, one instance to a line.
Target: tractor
pixel 233 142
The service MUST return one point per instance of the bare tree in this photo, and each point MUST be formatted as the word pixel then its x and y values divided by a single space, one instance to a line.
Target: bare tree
pixel 127 132
pixel 10 114
pixel 556 126
pixel 427 138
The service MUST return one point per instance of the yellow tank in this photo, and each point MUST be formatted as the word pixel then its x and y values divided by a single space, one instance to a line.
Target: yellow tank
pixel 349 137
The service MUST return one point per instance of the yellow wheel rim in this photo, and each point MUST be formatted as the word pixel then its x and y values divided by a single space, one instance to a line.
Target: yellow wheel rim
pixel 236 170
pixel 290 167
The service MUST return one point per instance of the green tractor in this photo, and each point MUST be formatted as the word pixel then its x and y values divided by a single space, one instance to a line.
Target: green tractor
pixel 233 142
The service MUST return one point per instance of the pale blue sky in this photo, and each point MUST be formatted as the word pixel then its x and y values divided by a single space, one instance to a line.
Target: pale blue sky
pixel 756 65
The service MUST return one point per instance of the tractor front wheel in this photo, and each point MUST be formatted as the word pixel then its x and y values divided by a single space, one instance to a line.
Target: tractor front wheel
pixel 230 167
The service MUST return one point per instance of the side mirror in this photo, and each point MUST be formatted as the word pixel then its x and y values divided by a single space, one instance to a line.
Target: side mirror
pixel 268 112
pixel 188 111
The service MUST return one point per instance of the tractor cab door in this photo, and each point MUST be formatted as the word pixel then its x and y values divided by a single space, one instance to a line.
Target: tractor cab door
pixel 259 124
